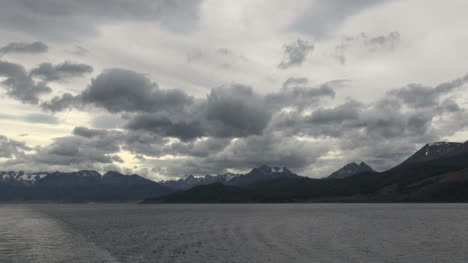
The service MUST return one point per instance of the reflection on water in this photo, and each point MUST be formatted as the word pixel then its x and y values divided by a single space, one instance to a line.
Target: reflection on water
pixel 234 233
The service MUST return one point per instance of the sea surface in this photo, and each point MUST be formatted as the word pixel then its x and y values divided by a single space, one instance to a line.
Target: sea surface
pixel 48 233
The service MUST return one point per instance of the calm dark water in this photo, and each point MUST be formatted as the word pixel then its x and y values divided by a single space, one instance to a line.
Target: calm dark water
pixel 234 233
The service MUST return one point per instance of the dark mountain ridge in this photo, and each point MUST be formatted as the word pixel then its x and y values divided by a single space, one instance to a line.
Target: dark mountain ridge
pixel 351 169
pixel 263 173
pixel 442 177
pixel 80 186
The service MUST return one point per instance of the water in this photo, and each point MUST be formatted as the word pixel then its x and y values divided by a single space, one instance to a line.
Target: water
pixel 234 233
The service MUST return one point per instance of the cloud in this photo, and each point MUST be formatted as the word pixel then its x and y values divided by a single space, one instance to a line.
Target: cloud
pixel 235 111
pixel 60 103
pixel 20 85
pixel 223 58
pixel 236 128
pixel 296 93
pixel 363 43
pixel 32 118
pixel 295 54
pixel 68 20
pixel 87 132
pixel 10 148
pixel 41 118
pixel 79 51
pixel 119 90
pixel 49 72
pixel 324 16
pixel 27 48
pixel 92 151
pixel 420 96
pixel 231 111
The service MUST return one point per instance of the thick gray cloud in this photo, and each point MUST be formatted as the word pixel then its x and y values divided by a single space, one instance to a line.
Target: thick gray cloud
pixel 21 47
pixel 296 93
pixel 236 128
pixel 120 90
pixel 245 153
pixel 420 96
pixel 324 15
pixel 232 111
pixel 94 148
pixel 165 126
pixel 87 132
pixel 10 148
pixel 60 103
pixel 69 19
pixel 295 54
pixel 49 72
pixel 339 114
pixel 235 111
pixel 19 84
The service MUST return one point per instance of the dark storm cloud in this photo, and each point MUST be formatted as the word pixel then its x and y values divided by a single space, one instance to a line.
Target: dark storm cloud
pixel 236 128
pixel 60 103
pixel 232 111
pixel 21 47
pixel 19 84
pixel 49 72
pixel 10 148
pixel 69 19
pixel 245 153
pixel 420 96
pixel 164 126
pixel 296 93
pixel 324 16
pixel 119 90
pixel 295 54
pixel 87 132
pixel 235 111
pixel 347 111
pixel 75 150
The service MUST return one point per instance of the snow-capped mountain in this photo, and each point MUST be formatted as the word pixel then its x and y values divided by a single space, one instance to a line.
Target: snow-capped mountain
pixel 20 177
pixel 260 174
pixel 192 181
pixel 77 186
pixel 59 178
pixel 437 150
pixel 351 169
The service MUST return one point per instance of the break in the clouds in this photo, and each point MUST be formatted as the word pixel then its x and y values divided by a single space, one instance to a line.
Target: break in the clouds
pixel 173 87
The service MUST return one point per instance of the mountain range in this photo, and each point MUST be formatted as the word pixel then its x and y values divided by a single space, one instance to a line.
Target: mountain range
pixel 437 172
pixel 81 186
pixel 351 169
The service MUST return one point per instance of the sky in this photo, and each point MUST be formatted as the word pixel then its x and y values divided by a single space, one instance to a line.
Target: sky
pixel 168 88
